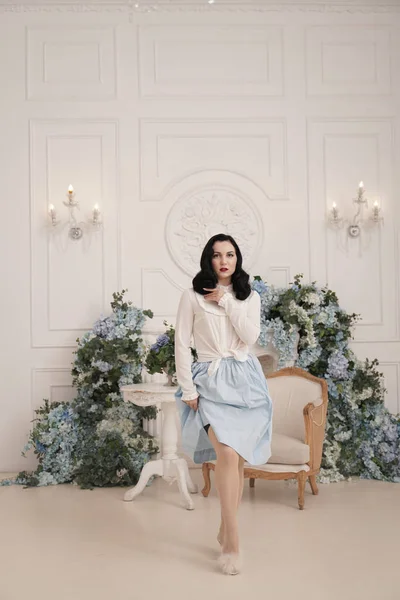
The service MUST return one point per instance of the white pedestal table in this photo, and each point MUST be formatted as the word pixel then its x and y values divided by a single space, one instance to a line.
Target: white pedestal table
pixel 170 467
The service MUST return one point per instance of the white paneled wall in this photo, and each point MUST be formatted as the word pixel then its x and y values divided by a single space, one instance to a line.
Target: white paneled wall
pixel 362 271
pixel 71 281
pixel 209 60
pixel 67 63
pixel 182 119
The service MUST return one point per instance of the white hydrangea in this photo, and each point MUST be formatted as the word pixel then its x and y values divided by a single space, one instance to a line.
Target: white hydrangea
pixel 343 436
pixel 321 317
pixel 312 298
pixel 367 393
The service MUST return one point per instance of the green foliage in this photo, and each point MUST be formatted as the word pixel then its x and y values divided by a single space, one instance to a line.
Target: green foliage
pixel 161 356
pixel 97 439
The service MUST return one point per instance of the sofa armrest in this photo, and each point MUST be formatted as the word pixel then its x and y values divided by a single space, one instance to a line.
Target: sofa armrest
pixel 315 421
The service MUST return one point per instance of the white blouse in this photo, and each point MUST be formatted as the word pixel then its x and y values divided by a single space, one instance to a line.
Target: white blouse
pixel 218 330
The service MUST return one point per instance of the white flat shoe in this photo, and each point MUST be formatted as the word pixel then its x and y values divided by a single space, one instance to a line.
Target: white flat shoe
pixel 231 564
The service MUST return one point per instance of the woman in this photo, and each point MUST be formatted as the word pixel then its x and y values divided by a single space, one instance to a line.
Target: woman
pixel 223 399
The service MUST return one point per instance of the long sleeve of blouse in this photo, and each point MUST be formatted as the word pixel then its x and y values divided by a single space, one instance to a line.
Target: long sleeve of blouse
pixel 245 318
pixel 183 354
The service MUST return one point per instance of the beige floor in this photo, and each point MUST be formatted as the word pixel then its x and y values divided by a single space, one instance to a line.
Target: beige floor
pixel 64 543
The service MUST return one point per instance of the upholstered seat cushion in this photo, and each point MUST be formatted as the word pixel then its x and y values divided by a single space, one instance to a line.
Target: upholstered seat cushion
pixel 288 450
pixel 278 468
pixel 274 468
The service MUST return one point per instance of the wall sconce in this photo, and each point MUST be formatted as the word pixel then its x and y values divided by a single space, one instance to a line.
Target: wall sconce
pixel 75 228
pixel 354 225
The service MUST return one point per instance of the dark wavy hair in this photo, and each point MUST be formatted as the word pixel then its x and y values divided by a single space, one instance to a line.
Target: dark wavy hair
pixel 207 278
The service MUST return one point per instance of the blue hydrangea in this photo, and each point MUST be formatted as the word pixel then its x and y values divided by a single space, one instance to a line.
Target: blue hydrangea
pixel 308 356
pixel 103 366
pixel 357 419
pixel 259 286
pixel 338 366
pixel 162 340
pixel 64 436
pixel 326 316
pixel 39 447
pixel 104 328
pixel 282 338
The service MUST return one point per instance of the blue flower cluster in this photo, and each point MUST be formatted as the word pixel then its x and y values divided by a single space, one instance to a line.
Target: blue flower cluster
pixel 162 340
pixel 102 366
pixel 362 436
pixel 117 324
pixel 338 366
pixel 282 338
pixel 97 439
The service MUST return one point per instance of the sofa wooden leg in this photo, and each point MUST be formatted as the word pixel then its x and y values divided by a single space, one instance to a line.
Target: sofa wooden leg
pixel 313 483
pixel 207 480
pixel 301 480
pixel 252 482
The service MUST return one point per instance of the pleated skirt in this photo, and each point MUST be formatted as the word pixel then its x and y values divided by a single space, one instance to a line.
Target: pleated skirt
pixel 235 402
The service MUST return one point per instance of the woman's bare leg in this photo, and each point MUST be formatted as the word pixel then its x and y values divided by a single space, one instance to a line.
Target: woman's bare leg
pixel 241 479
pixel 221 533
pixel 227 483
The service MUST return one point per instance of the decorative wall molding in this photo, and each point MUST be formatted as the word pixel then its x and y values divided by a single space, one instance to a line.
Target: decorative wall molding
pixel 284 272
pixel 391 373
pixel 261 153
pixel 71 63
pixel 348 60
pixel 66 7
pixel 382 288
pixel 205 211
pixel 159 286
pixel 130 7
pixel 192 60
pixel 53 383
pixel 57 318
pixel 331 248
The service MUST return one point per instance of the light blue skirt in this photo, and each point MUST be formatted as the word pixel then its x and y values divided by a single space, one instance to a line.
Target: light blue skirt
pixel 236 403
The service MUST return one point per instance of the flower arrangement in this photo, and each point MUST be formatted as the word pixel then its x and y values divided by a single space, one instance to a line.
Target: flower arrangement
pixel 161 355
pixel 97 439
pixel 362 436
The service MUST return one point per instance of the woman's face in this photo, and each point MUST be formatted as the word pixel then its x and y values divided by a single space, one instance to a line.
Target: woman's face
pixel 224 261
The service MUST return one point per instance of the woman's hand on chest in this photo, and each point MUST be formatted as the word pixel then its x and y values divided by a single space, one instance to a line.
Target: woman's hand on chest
pixel 215 295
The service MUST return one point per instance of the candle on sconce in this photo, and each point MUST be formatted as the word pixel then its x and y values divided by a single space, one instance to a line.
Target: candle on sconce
pixel 96 213
pixel 52 213
pixel 376 210
pixel 361 185
pixel 335 212
pixel 71 194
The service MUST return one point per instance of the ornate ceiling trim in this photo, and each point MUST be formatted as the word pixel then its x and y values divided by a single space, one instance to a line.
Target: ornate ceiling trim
pixel 202 6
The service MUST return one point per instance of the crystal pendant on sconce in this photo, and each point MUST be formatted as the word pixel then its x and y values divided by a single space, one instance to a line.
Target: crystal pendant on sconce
pixel 354 231
pixel 75 233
